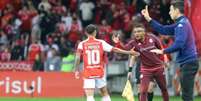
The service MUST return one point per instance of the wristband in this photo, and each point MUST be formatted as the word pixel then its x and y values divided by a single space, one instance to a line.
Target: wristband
pixel 130 69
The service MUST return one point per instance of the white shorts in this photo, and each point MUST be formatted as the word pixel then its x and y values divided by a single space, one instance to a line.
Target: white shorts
pixel 94 83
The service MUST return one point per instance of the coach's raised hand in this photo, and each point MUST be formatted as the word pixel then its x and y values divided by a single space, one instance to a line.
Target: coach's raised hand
pixel 145 13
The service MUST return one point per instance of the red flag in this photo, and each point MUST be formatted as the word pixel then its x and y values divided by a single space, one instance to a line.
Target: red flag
pixel 193 11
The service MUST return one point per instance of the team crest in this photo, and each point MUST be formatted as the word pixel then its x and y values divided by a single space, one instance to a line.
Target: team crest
pixel 151 40
pixel 139 44
pixel 141 76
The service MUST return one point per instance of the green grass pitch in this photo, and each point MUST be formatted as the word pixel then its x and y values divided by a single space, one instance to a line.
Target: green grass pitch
pixel 114 98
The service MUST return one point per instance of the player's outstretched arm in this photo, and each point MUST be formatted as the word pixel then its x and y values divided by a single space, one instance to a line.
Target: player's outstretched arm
pixel 117 41
pixel 131 52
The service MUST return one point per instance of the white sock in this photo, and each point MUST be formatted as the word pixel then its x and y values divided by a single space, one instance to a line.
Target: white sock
pixel 90 98
pixel 106 98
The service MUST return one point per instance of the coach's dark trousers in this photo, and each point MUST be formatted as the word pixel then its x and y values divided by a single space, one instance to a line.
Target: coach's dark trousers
pixel 187 77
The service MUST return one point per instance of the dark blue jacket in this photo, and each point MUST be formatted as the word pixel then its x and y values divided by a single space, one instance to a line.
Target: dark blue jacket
pixel 184 42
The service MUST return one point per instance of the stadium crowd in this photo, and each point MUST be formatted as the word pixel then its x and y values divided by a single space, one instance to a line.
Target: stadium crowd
pixel 47 31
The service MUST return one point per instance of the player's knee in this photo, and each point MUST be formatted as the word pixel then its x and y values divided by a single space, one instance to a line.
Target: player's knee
pixel 104 91
pixel 150 90
pixel 89 92
pixel 151 87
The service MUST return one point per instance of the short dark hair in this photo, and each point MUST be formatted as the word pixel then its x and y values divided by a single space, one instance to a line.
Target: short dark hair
pixel 90 29
pixel 179 4
pixel 138 25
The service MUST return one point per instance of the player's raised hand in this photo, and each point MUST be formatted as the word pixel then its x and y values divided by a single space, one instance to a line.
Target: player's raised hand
pixel 157 51
pixel 77 74
pixel 115 38
pixel 145 13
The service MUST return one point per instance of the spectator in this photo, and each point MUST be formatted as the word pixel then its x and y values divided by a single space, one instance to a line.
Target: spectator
pixel 73 5
pixel 49 46
pixel 105 31
pixel 109 14
pixel 38 64
pixel 35 50
pixel 117 56
pixel 58 32
pixel 26 14
pixel 67 18
pixel 118 13
pixel 75 30
pixel 86 8
pixel 35 23
pixel 17 51
pixel 7 14
pixel 68 61
pixel 127 25
pixel 44 6
pixel 3 39
pixel 61 28
pixel 53 63
pixel 64 46
pixel 59 8
pixel 132 7
pixel 6 54
pixel 15 28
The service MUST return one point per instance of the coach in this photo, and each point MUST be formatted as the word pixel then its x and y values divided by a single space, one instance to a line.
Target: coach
pixel 184 44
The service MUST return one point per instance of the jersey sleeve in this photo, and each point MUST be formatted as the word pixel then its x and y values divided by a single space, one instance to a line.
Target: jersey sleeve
pixel 129 45
pixel 106 47
pixel 80 46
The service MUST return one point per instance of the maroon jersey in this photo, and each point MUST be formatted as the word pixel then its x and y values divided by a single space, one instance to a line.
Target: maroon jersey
pixel 149 60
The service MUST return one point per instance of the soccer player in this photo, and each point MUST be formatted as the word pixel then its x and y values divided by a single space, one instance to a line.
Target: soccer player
pixel 184 44
pixel 92 50
pixel 152 67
